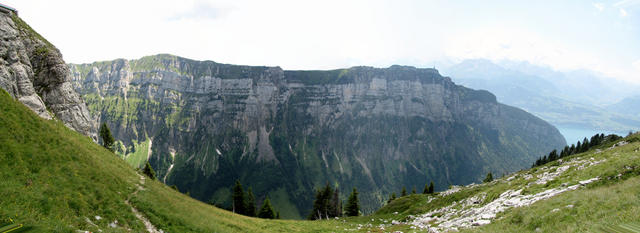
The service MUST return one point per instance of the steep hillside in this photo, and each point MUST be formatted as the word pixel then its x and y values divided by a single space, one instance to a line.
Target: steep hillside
pixel 32 71
pixel 203 125
pixel 56 180
pixel 595 191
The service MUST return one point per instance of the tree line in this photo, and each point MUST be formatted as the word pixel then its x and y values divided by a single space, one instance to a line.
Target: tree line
pixel 246 205
pixel 327 204
pixel 428 189
pixel 576 148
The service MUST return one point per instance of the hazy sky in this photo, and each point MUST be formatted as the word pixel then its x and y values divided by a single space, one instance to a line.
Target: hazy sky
pixel 599 35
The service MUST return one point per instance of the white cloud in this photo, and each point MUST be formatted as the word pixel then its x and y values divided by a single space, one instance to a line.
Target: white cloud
pixel 516 44
pixel 599 6
pixel 623 12
pixel 626 3
pixel 636 65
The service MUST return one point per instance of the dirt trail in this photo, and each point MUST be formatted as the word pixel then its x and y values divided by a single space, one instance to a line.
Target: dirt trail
pixel 147 224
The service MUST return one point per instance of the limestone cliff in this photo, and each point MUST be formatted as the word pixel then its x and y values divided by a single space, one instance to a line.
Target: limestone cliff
pixel 285 133
pixel 32 71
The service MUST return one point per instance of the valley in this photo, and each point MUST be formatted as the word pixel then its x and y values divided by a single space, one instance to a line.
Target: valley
pixel 187 145
pixel 286 133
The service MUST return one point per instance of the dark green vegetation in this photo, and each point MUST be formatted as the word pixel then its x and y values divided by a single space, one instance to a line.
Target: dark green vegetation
pixel 287 133
pixel 353 204
pixel 266 211
pixel 610 202
pixel 56 180
pixel 106 137
pixel 596 140
pixel 327 204
pixel 148 171
pixel 489 178
pixel 245 204
pixel 428 189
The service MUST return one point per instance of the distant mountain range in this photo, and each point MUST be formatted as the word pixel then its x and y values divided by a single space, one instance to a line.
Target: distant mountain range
pixel 575 100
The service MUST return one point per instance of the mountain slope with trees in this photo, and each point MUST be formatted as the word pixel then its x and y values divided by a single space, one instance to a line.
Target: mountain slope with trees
pixel 287 133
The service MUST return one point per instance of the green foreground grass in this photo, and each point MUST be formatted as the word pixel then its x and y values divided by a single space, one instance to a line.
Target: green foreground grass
pixel 606 204
pixel 56 180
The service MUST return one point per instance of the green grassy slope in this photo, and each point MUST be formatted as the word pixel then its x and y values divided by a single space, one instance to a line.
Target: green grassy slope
pixel 56 180
pixel 608 203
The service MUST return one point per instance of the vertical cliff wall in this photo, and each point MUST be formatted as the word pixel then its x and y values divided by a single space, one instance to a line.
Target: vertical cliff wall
pixel 285 133
pixel 32 71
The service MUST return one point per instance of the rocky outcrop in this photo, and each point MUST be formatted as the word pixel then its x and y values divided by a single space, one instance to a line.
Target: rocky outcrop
pixel 32 71
pixel 285 133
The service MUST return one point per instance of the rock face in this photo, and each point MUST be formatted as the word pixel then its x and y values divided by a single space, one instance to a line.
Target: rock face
pixel 32 71
pixel 285 133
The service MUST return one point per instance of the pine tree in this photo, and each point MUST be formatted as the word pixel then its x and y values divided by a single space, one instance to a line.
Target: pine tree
pixel 585 145
pixel 431 188
pixel 251 204
pixel 413 191
pixel 353 205
pixel 489 178
pixel 107 138
pixel 335 210
pixel 148 170
pixel 321 205
pixel 404 192
pixel 391 197
pixel 267 210
pixel 553 155
pixel 277 214
pixel 237 197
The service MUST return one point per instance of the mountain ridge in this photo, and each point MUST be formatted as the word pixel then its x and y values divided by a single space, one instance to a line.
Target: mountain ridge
pixel 258 121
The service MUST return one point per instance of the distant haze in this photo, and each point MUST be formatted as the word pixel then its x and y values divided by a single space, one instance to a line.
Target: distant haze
pixel 601 36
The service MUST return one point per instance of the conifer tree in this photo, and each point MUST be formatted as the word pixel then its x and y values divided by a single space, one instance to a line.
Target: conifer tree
pixel 107 138
pixel 321 205
pixel 489 178
pixel 148 171
pixel 431 188
pixel 267 210
pixel 391 197
pixel 251 204
pixel 335 208
pixel 585 145
pixel 353 205
pixel 277 214
pixel 413 191
pixel 404 192
pixel 553 155
pixel 237 197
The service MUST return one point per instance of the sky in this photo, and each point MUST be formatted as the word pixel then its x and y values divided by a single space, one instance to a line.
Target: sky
pixel 603 36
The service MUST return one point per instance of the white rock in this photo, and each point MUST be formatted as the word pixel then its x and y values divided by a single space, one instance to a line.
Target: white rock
pixel 585 182
pixel 481 222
